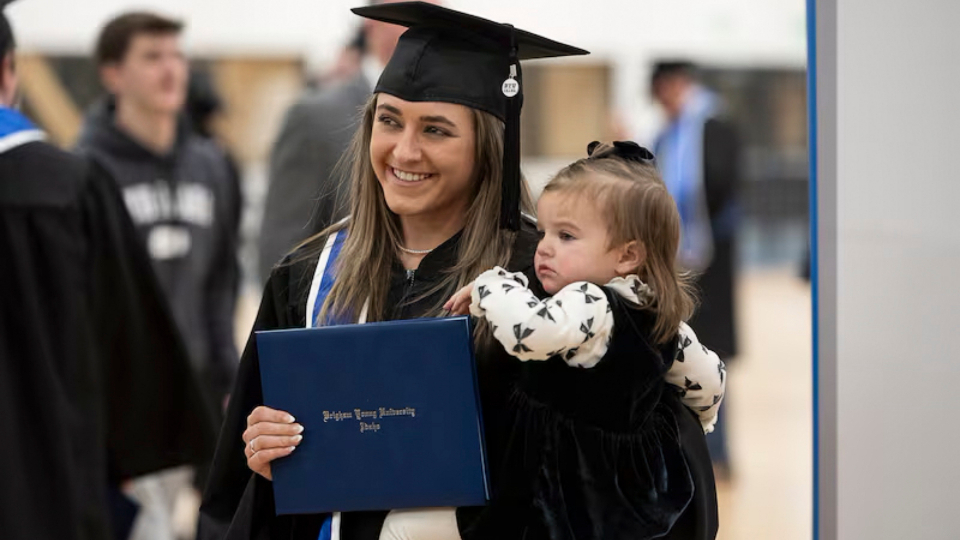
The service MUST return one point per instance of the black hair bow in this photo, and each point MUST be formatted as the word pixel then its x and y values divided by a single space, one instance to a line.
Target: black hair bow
pixel 622 149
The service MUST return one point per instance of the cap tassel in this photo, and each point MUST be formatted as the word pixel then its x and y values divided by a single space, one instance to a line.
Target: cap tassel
pixel 510 204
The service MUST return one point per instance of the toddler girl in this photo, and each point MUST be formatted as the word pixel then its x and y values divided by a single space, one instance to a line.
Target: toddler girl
pixel 594 429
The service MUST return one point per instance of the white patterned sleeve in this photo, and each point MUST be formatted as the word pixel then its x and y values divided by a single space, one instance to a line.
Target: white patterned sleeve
pixel 575 323
pixel 699 376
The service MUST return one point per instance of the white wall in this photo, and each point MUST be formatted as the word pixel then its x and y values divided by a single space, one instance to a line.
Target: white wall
pixel 896 185
pixel 627 33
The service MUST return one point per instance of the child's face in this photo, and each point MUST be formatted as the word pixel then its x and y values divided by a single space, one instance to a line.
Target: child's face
pixel 574 243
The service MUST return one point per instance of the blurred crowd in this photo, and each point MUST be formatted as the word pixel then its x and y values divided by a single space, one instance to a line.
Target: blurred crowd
pixel 142 219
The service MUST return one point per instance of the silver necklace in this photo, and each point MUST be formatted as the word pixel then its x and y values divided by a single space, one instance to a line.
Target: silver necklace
pixel 415 251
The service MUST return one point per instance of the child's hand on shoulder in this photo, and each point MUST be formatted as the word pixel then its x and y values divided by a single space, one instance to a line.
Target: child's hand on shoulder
pixel 459 303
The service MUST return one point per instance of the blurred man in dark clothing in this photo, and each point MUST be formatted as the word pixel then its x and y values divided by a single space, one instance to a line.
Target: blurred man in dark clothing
pixel 698 153
pixel 95 383
pixel 178 186
pixel 204 107
pixel 183 198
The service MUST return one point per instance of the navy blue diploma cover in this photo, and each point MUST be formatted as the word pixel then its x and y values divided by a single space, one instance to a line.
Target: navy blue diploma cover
pixel 391 415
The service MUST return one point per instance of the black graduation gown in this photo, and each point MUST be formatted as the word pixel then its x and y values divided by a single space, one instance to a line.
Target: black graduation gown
pixel 238 504
pixel 95 384
pixel 715 319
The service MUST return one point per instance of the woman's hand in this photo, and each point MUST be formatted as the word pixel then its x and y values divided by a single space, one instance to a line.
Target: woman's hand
pixel 270 434
pixel 459 303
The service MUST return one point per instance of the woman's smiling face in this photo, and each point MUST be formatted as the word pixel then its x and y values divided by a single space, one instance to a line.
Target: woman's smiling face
pixel 423 154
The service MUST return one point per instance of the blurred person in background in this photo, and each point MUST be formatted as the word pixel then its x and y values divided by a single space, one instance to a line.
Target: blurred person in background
pixel 182 196
pixel 95 383
pixel 348 63
pixel 204 107
pixel 698 153
pixel 305 194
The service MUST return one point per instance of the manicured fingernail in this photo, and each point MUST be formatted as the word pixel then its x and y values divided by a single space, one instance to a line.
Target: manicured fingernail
pixel 297 438
pixel 290 419
pixel 292 448
pixel 299 428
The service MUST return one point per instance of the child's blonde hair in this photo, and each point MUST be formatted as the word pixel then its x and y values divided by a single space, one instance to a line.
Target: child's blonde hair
pixel 636 205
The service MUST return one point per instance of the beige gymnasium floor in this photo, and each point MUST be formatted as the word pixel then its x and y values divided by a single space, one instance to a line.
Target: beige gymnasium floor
pixel 769 410
pixel 770 413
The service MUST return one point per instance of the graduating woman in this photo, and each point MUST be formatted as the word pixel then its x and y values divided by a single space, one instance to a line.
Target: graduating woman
pixel 436 195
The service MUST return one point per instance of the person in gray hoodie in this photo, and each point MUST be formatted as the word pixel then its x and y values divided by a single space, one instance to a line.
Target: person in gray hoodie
pixel 179 191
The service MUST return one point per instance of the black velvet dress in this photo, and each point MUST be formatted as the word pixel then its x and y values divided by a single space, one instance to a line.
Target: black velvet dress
pixel 601 453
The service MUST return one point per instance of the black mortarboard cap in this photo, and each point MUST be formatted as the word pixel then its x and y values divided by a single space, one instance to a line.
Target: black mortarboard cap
pixel 7 43
pixel 454 57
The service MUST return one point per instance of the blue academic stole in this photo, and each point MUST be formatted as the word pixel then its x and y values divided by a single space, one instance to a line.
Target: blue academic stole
pixel 16 130
pixel 323 278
